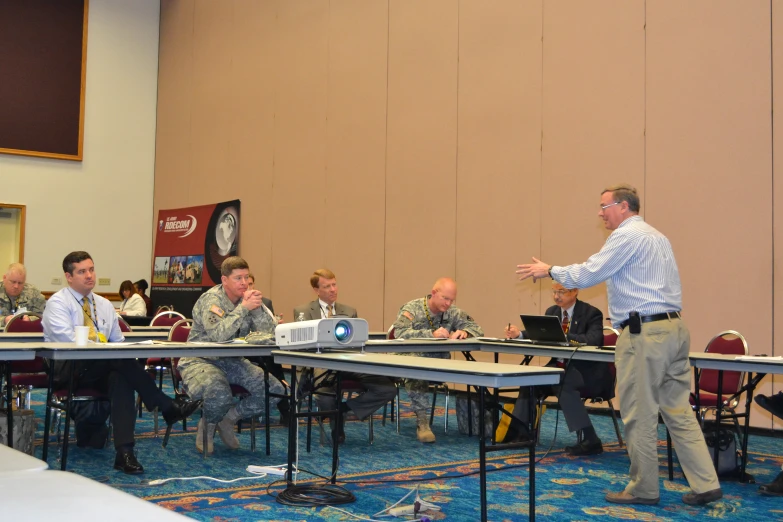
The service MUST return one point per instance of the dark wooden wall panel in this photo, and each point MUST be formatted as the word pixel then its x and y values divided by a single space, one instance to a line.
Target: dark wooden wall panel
pixel 42 66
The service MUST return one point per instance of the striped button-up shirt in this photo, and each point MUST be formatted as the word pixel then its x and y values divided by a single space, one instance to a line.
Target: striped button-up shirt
pixel 638 265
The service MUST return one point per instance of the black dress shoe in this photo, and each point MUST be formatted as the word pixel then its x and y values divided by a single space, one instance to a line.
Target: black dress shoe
pixel 774 488
pixel 586 447
pixel 771 403
pixel 126 462
pixel 181 408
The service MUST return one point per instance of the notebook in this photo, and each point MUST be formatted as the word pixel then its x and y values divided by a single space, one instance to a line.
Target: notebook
pixel 545 329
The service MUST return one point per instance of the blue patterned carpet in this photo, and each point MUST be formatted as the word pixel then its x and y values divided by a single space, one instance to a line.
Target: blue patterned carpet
pixel 567 488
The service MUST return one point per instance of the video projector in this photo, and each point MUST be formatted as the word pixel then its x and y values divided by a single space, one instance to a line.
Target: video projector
pixel 335 332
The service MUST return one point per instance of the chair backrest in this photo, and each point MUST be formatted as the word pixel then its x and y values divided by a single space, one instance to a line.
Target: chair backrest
pixel 729 342
pixel 18 324
pixel 610 336
pixel 166 319
pixel 180 331
pixel 124 326
pixel 163 308
pixel 390 333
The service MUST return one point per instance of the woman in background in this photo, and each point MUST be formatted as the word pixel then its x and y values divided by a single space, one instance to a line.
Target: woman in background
pixel 132 303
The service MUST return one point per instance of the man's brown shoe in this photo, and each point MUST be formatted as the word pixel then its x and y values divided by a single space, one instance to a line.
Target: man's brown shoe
pixel 699 499
pixel 626 498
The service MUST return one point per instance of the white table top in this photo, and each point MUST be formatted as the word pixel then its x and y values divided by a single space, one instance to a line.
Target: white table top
pixel 421 346
pixel 18 351
pixel 717 361
pixel 584 353
pixel 12 461
pixel 28 337
pixel 462 372
pixel 63 496
pixel 72 351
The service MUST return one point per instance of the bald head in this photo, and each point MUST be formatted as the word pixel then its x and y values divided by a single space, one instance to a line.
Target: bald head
pixel 444 293
pixel 14 279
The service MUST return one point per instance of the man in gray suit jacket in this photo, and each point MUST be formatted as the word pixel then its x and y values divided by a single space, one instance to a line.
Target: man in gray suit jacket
pixel 378 389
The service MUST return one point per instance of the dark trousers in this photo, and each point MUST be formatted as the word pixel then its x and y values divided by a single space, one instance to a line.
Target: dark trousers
pixel 121 378
pixel 378 390
pixel 571 403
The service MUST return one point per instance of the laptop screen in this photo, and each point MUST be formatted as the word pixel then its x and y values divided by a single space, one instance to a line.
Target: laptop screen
pixel 544 328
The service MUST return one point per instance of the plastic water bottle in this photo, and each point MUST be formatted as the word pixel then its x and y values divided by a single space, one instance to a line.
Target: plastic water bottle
pixel 300 317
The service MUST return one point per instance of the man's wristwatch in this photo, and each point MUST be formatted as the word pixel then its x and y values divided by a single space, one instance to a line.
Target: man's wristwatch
pixel 550 273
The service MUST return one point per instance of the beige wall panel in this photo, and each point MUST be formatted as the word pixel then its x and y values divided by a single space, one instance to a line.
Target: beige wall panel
pixel 251 112
pixel 708 151
pixel 421 149
pixel 210 119
pixel 593 105
pixel 775 384
pixel 299 204
pixel 175 96
pixel 355 154
pixel 499 158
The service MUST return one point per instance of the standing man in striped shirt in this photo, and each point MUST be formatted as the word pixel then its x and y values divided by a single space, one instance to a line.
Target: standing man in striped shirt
pixel 653 371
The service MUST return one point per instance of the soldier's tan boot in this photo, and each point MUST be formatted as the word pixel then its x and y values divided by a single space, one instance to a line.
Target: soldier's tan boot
pixel 210 437
pixel 225 429
pixel 423 431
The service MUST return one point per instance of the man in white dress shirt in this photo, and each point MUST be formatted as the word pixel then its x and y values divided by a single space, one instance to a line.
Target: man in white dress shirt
pixel 653 370
pixel 77 305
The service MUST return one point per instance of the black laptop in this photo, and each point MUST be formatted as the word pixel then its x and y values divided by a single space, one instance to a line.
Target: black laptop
pixel 545 329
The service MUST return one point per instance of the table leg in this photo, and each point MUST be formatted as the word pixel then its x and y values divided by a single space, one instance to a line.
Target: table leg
pixel 293 420
pixel 482 457
pixel 744 460
pixel 68 406
pixel 718 404
pixel 338 394
pixel 266 410
pixel 9 408
pixel 48 419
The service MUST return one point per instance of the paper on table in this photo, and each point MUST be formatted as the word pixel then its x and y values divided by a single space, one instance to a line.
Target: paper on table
pixel 230 341
pixel 149 341
pixel 758 358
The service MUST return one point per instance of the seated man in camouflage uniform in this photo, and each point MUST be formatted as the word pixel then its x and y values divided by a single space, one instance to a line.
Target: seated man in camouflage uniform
pixel 18 296
pixel 227 311
pixel 432 316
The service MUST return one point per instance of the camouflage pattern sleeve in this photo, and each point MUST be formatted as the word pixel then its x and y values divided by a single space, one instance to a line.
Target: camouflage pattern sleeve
pixel 5 302
pixel 260 321
pixel 412 322
pixel 460 320
pixel 212 321
pixel 33 299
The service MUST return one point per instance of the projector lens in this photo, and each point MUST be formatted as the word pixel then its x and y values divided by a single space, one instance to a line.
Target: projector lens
pixel 342 331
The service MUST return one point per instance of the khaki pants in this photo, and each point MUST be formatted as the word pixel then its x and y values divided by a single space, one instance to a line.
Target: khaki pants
pixel 654 374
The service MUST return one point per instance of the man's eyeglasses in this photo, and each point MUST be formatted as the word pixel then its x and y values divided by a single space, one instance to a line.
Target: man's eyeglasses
pixel 560 293
pixel 604 207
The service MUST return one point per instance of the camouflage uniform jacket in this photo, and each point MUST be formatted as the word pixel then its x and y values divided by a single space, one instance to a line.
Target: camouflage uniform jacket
pixel 217 319
pixel 30 299
pixel 425 322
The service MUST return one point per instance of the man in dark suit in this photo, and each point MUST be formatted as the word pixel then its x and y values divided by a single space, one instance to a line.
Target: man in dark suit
pixel 378 389
pixel 582 323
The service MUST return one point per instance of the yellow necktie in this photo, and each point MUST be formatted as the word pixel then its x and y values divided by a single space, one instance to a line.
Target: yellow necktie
pixel 331 311
pixel 93 336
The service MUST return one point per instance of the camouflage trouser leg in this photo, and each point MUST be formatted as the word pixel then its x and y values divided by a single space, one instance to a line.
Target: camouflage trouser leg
pixel 418 390
pixel 211 380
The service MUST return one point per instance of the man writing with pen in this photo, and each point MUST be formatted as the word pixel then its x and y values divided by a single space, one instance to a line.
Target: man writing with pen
pixel 582 323
pixel 432 316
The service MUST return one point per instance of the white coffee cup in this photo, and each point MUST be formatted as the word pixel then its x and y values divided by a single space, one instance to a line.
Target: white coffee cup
pixel 82 334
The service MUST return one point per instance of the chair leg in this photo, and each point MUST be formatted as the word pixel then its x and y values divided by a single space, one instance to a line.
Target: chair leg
pixel 446 414
pixel 616 424
pixel 253 433
pixel 434 398
pixel 397 418
pixel 372 432
pixel 155 421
